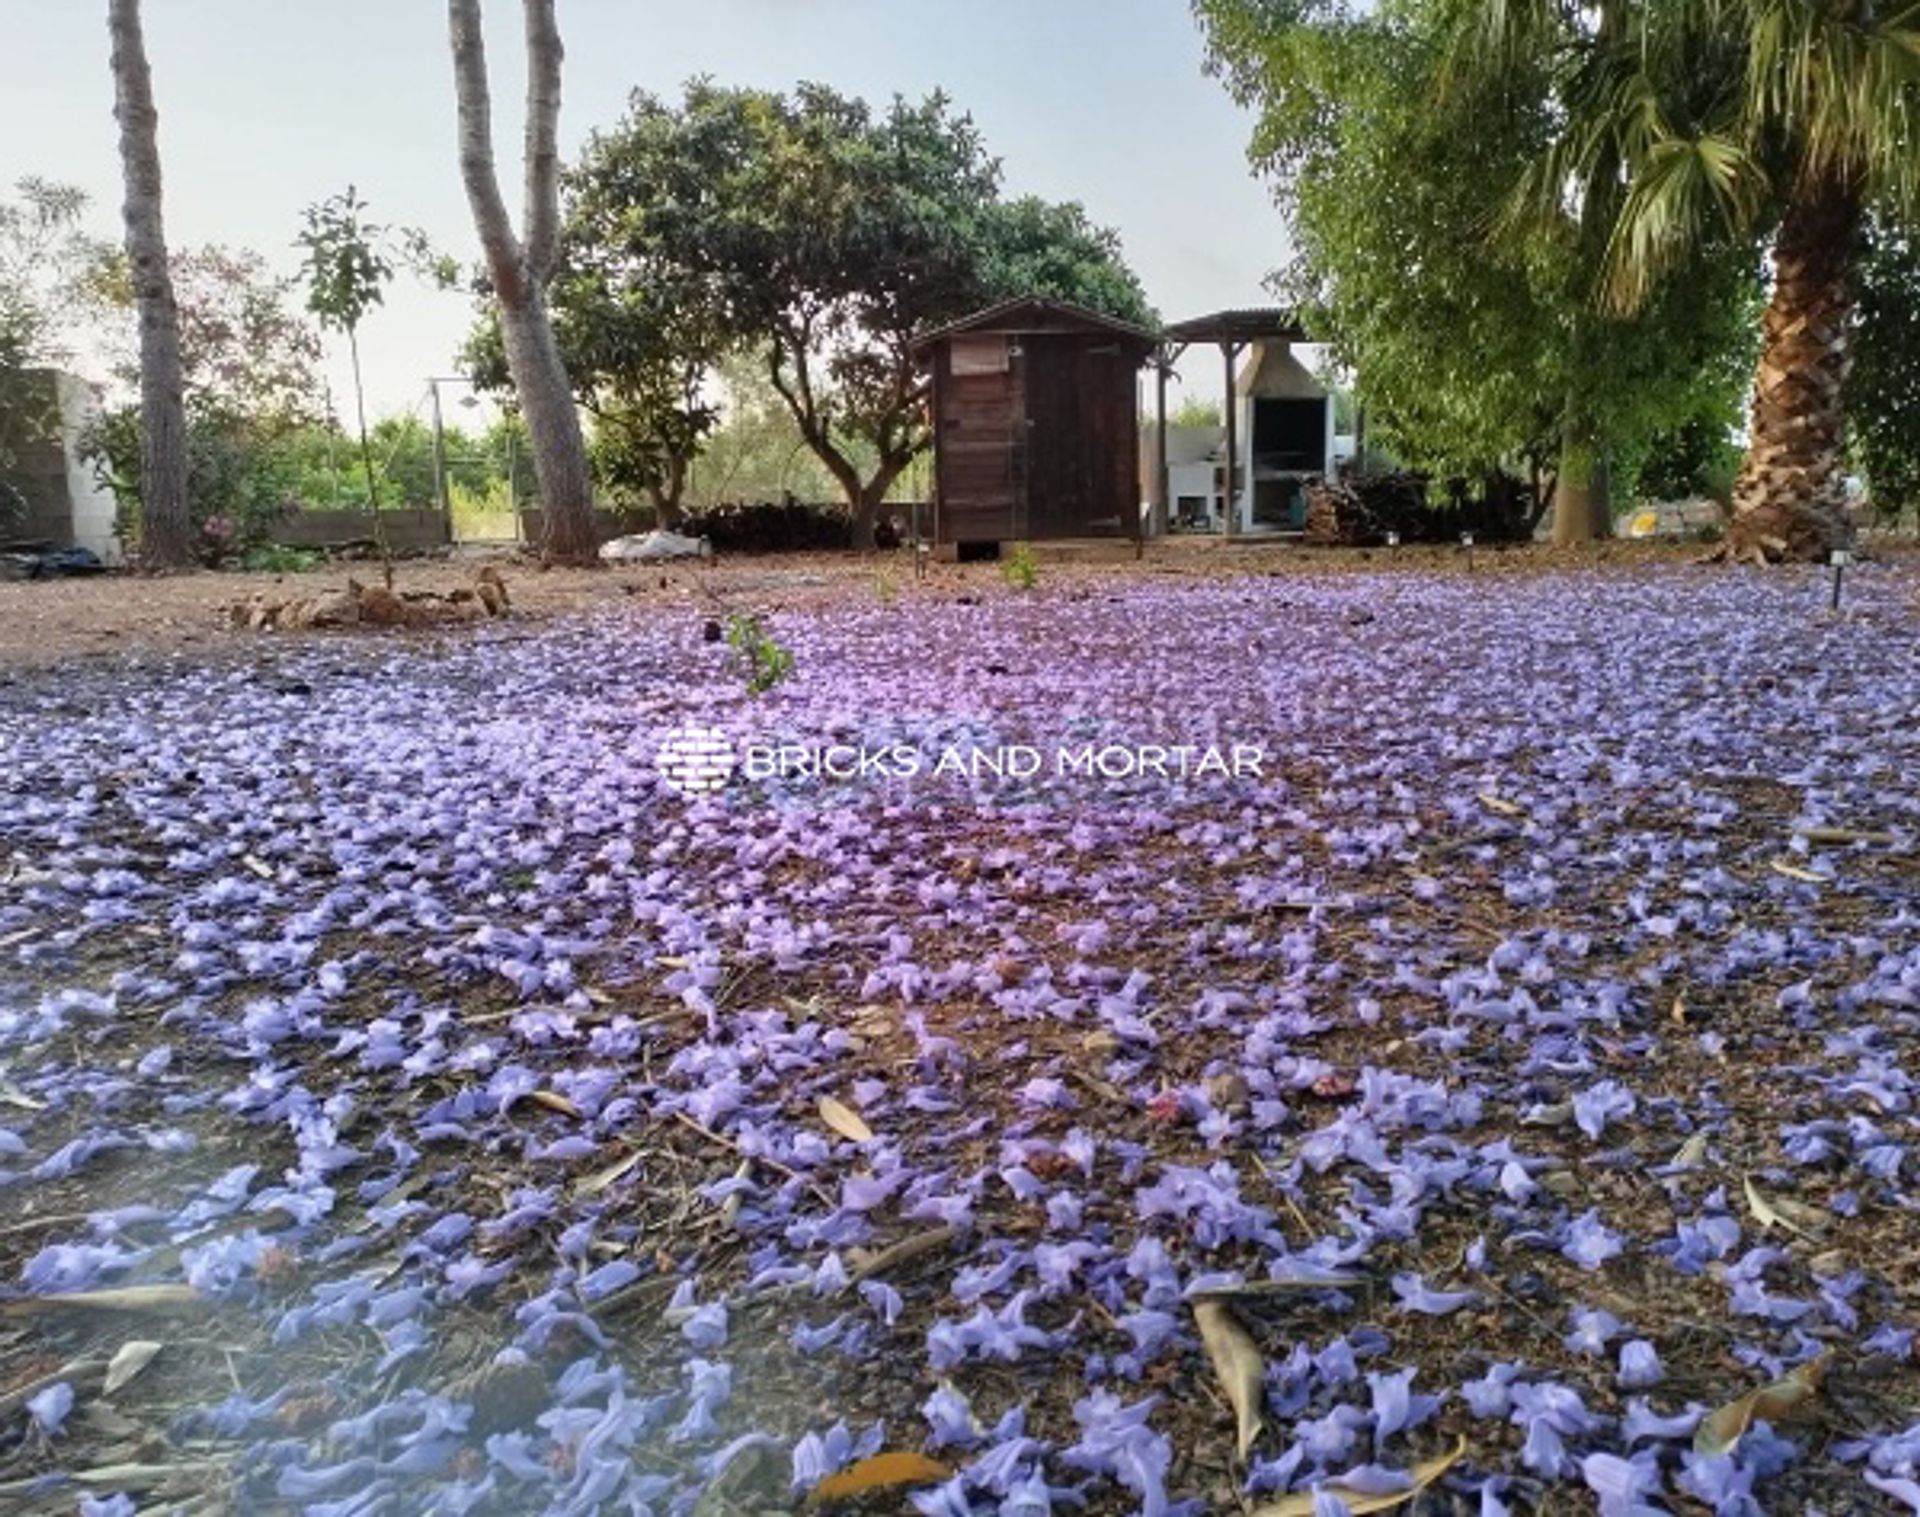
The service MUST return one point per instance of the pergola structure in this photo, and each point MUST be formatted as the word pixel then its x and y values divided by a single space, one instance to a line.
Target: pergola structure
pixel 1233 331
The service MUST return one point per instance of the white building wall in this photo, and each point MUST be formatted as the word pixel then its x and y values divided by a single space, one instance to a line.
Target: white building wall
pixel 94 523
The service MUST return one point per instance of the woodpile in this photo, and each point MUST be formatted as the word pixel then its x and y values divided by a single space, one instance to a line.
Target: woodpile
pixel 373 606
pixel 1356 510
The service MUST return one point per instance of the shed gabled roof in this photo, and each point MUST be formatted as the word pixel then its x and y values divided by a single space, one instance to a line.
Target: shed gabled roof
pixel 1247 324
pixel 1033 313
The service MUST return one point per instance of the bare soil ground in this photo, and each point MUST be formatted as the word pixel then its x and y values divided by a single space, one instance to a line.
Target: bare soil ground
pixel 47 622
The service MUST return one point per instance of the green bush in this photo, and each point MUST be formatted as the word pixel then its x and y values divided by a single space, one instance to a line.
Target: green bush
pixel 240 478
pixel 764 662
pixel 275 559
pixel 1020 568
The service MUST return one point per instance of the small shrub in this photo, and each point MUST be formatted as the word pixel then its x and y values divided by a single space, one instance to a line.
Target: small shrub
pixel 764 661
pixel 272 558
pixel 1020 568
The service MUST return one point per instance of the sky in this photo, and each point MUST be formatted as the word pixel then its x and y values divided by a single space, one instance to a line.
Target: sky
pixel 269 105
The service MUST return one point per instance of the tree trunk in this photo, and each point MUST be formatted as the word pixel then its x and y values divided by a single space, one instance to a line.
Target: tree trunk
pixel 520 273
pixel 667 514
pixel 1544 487
pixel 866 514
pixel 864 498
pixel 366 462
pixel 1583 487
pixel 867 499
pixel 553 430
pixel 166 528
pixel 1789 501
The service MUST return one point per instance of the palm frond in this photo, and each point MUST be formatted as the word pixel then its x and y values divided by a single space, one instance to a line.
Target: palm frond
pixel 1683 190
pixel 1842 84
pixel 1485 36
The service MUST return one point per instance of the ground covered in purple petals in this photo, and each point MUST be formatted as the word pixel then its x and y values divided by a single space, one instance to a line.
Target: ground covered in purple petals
pixel 1524 1058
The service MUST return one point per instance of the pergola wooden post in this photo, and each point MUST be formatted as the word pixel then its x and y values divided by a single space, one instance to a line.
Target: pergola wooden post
pixel 1163 476
pixel 1230 350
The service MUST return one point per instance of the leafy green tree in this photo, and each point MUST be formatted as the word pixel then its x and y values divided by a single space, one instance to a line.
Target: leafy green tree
pixel 756 452
pixel 1472 352
pixel 1194 412
pixel 1883 386
pixel 47 263
pixel 348 262
pixel 827 235
pixel 640 348
pixel 1685 123
pixel 1031 246
pixel 244 348
pixel 348 265
pixel 248 384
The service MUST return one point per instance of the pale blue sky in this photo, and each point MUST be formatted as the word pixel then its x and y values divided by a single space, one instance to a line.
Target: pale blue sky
pixel 267 105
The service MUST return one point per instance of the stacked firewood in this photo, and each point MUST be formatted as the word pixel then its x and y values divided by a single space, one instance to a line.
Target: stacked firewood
pixel 1358 509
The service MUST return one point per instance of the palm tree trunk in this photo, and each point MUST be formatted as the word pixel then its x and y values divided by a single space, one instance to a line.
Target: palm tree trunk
pixel 1790 499
pixel 166 528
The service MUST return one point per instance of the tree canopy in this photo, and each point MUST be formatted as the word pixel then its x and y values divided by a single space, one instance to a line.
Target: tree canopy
pixel 48 261
pixel 1686 127
pixel 1883 386
pixel 819 232
pixel 1471 347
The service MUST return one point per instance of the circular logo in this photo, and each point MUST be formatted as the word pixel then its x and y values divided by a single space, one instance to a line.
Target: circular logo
pixel 695 760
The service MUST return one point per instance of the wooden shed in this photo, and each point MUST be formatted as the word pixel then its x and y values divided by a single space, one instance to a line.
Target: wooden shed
pixel 1036 433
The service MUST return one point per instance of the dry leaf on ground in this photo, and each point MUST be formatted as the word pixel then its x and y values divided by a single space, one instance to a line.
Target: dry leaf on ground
pixel 1237 1361
pixel 1720 1431
pixel 844 1120
pixel 1301 1503
pixel 881 1472
pixel 128 1361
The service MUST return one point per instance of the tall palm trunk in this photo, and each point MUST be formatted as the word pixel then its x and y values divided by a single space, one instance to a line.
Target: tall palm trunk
pixel 166 530
pixel 1583 489
pixel 1789 501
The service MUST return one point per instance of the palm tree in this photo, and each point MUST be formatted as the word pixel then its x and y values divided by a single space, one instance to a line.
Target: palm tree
pixel 1703 121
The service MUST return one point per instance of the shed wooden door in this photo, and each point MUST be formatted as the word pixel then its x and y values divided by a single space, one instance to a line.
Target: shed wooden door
pixel 982 440
pixel 1081 456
